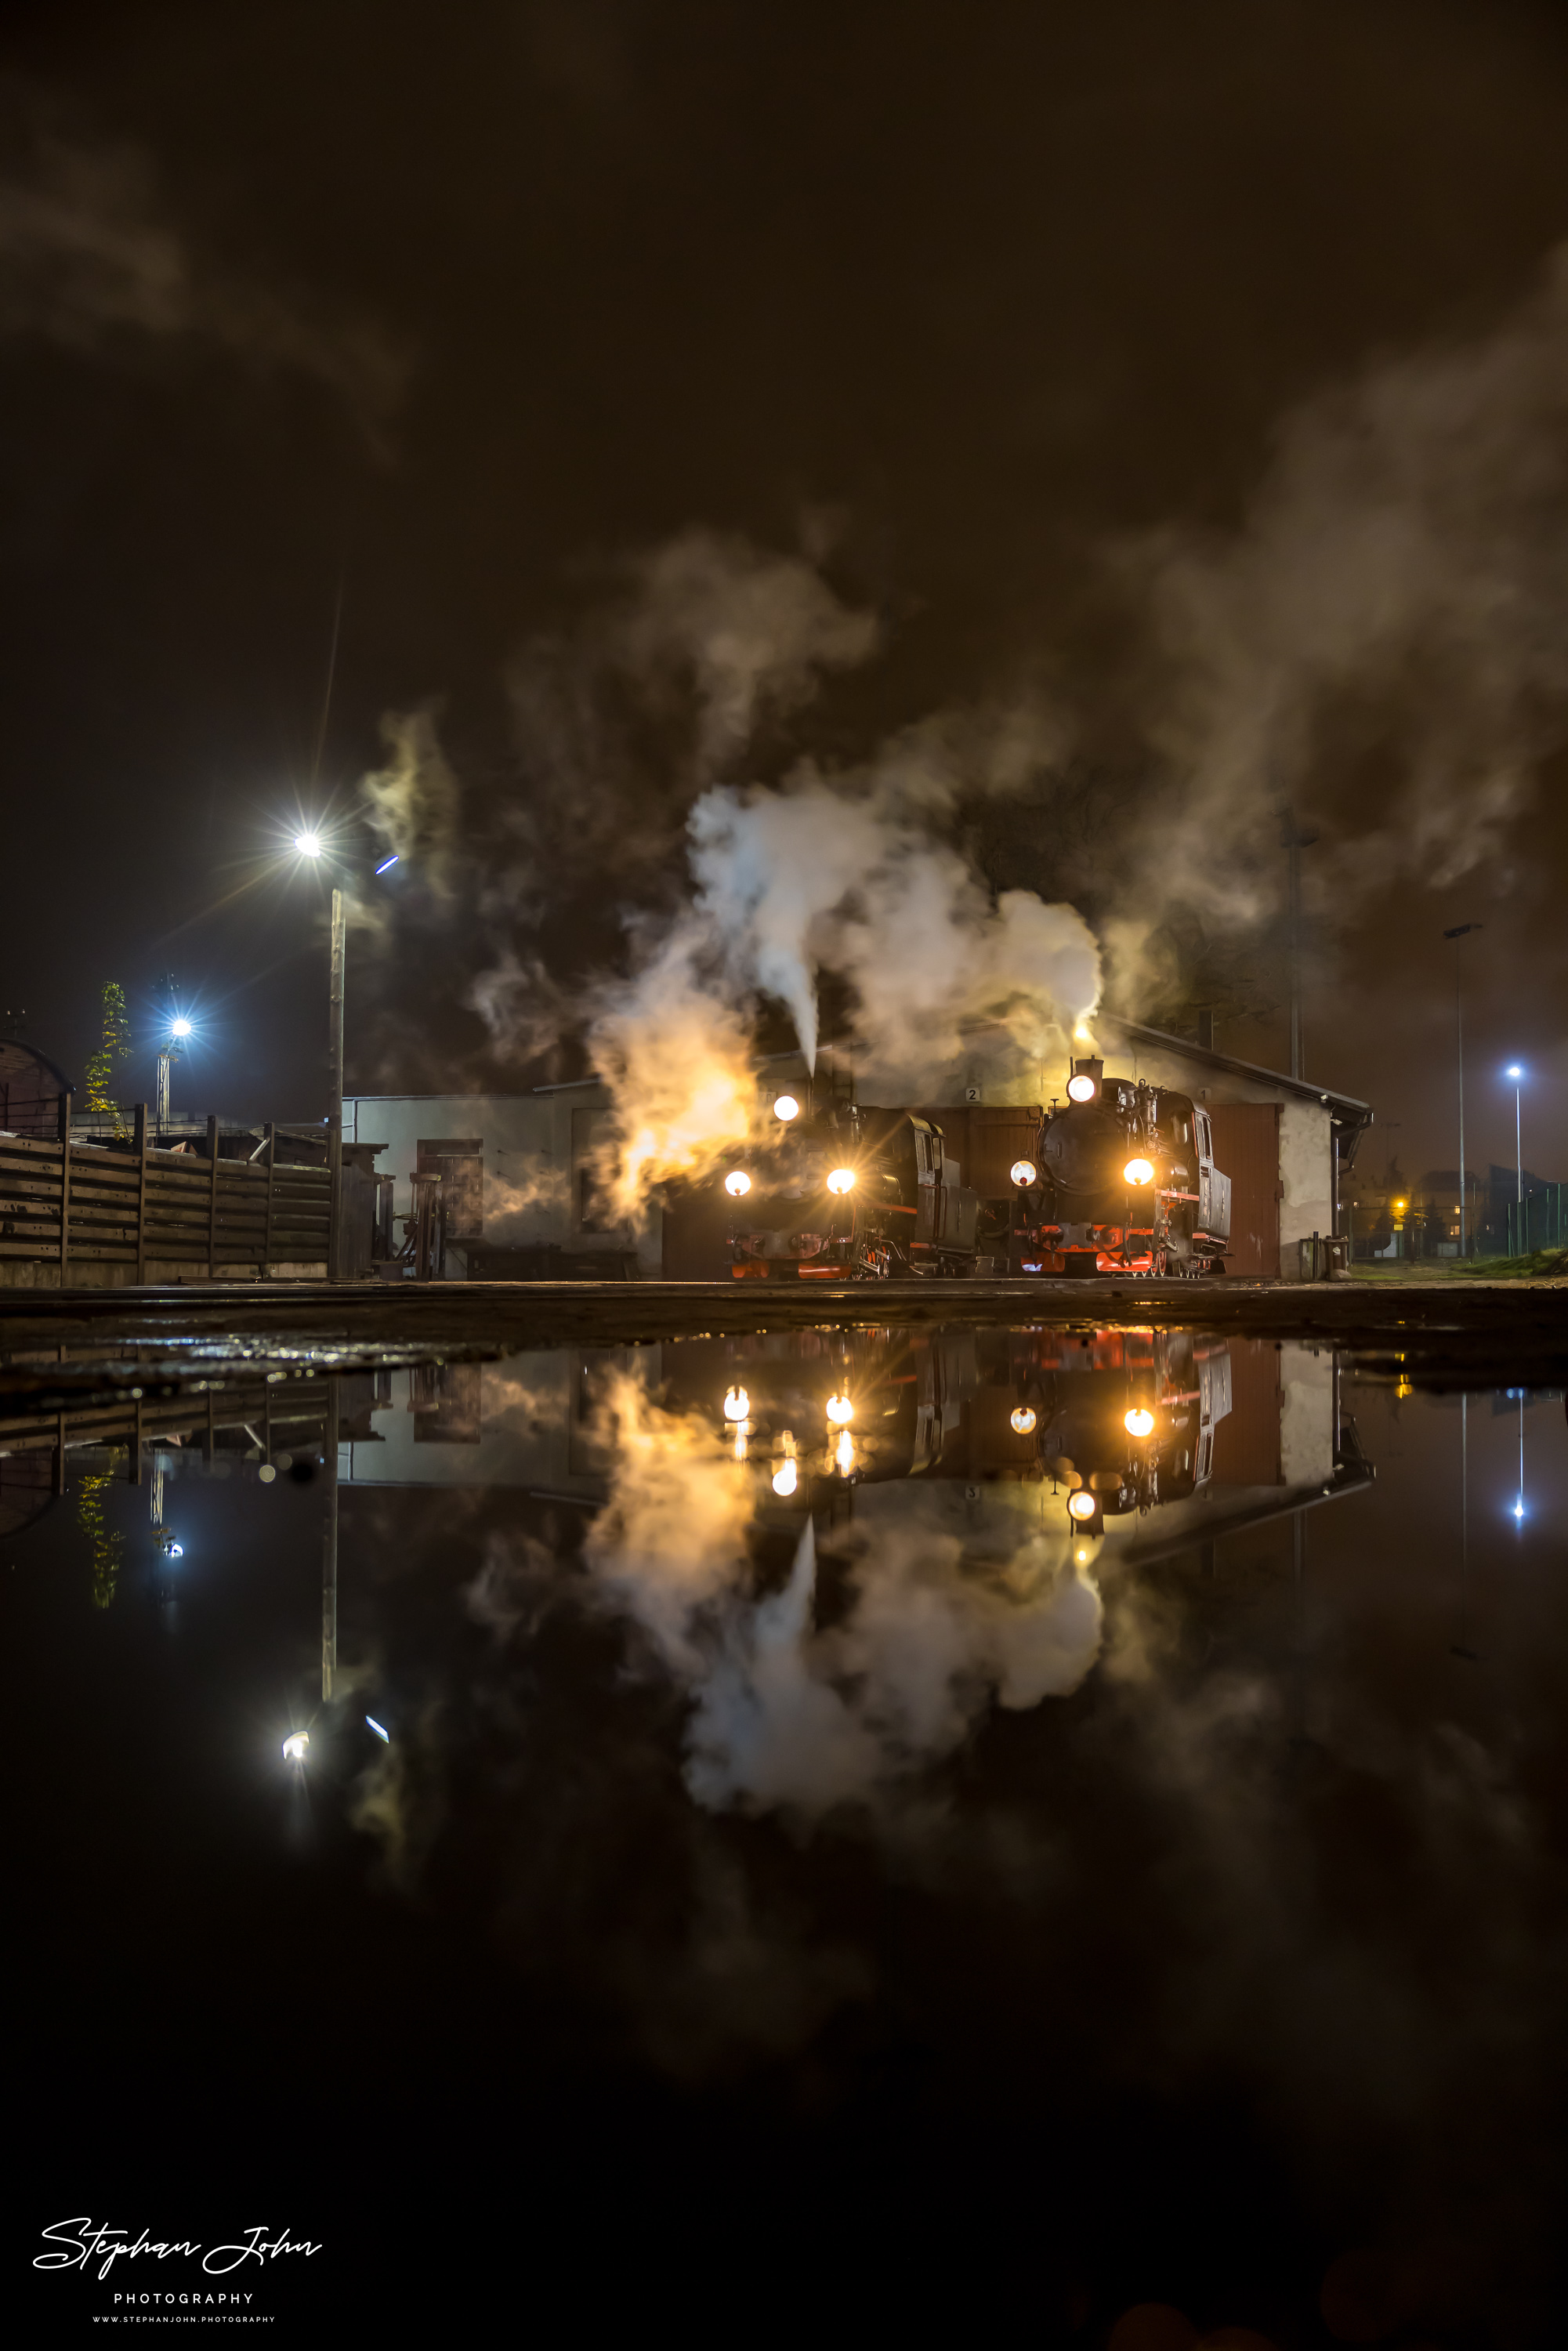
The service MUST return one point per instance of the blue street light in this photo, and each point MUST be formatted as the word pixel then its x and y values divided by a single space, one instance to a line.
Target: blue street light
pixel 1514 1071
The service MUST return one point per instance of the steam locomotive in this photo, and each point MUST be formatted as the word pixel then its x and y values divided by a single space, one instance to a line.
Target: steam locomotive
pixel 1122 1181
pixel 850 1194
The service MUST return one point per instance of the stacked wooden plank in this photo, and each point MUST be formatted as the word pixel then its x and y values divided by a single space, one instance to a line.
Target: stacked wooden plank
pixel 135 1207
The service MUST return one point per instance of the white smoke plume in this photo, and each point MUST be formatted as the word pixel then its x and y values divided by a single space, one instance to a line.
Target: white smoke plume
pixel 844 874
pixel 414 803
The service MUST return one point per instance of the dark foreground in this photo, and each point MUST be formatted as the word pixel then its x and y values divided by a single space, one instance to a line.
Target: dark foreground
pixel 760 1862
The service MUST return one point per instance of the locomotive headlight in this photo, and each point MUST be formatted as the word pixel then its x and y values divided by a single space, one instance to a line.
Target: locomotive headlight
pixel 1080 1088
pixel 842 1179
pixel 1024 1420
pixel 738 1182
pixel 1022 1171
pixel 296 1745
pixel 840 1411
pixel 1139 1171
pixel 786 1108
pixel 785 1477
pixel 737 1404
pixel 1082 1506
pixel 1138 1423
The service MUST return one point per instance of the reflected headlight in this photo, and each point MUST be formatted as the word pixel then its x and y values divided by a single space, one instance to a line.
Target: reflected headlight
pixel 1080 1088
pixel 738 1182
pixel 840 1411
pixel 1139 1171
pixel 737 1404
pixel 1022 1171
pixel 1024 1421
pixel 1138 1423
pixel 1082 1506
pixel 842 1179
pixel 786 1108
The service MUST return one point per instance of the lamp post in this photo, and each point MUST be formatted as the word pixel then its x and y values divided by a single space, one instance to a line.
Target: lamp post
pixel 1517 1074
pixel 1460 931
pixel 312 845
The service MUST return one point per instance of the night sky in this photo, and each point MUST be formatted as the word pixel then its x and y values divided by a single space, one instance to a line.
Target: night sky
pixel 421 326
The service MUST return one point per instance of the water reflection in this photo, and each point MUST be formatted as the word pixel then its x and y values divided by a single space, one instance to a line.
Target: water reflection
pixel 761 1718
pixel 844 1549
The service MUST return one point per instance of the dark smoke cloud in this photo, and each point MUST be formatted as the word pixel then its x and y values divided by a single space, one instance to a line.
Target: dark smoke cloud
pixel 91 259
pixel 1383 642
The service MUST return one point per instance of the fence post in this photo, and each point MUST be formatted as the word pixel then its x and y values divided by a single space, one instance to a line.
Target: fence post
pixel 65 1183
pixel 140 1194
pixel 213 1196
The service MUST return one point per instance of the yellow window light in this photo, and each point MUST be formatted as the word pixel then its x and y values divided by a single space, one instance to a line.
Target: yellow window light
pixel 738 1182
pixel 1139 1171
pixel 1022 1171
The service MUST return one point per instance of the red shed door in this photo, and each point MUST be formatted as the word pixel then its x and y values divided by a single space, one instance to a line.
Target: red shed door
pixel 1247 1149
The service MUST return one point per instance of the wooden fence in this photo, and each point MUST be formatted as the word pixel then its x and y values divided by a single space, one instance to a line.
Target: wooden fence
pixel 107 1213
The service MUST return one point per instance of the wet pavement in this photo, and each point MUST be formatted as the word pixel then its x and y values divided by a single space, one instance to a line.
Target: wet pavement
pixel 999 1817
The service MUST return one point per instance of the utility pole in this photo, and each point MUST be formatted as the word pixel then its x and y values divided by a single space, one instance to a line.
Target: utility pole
pixel 335 1112
pixel 1460 931
pixel 1294 838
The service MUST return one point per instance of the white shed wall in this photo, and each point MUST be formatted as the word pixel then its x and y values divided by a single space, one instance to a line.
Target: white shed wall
pixel 531 1149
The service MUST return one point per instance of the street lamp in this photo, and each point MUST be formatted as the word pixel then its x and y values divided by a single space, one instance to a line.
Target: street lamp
pixel 1517 1074
pixel 311 844
pixel 1461 931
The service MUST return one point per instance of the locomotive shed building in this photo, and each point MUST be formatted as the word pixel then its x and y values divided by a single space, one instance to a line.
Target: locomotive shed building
pixel 518 1169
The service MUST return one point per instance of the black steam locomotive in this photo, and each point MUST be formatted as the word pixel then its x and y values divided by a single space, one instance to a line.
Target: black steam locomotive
pixel 1122 1180
pixel 849 1193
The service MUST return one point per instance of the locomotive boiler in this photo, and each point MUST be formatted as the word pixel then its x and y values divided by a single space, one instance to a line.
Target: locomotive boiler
pixel 1122 1181
pixel 849 1193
